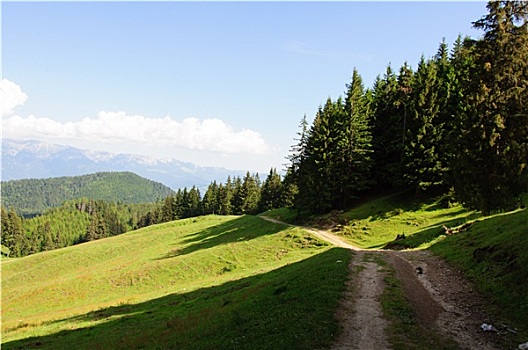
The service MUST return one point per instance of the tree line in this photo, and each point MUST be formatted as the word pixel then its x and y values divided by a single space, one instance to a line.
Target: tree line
pixel 237 196
pixel 74 222
pixel 457 124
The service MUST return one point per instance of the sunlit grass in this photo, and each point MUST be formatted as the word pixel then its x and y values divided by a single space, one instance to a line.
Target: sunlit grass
pixel 180 280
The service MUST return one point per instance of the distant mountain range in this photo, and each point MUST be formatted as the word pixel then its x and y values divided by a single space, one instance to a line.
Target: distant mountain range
pixel 22 159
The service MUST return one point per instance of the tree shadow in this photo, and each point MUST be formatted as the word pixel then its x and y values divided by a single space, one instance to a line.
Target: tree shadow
pixel 426 235
pixel 387 206
pixel 243 228
pixel 289 307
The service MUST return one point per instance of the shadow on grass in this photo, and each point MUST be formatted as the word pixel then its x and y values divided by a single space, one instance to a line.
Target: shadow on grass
pixel 426 235
pixel 243 228
pixel 291 307
pixel 387 206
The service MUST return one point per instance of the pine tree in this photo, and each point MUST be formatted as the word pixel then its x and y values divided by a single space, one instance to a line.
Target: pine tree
pixel 96 229
pixel 211 198
pixel 177 205
pixel 271 192
pixel 46 237
pixel 356 142
pixel 237 199
pixel 167 211
pixel 315 188
pixel 297 167
pixel 225 197
pixel 13 234
pixel 386 126
pixel 422 154
pixel 491 163
pixel 250 194
pixel 191 202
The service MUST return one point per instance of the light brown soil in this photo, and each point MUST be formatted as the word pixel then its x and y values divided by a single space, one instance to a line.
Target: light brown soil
pixel 360 311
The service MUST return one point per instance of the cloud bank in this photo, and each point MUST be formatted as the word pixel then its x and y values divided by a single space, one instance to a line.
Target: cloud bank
pixel 117 127
pixel 11 96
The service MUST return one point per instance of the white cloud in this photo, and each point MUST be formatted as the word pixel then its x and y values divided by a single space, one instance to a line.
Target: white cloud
pixel 117 127
pixel 11 96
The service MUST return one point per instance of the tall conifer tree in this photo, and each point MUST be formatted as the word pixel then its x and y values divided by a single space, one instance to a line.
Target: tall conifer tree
pixel 491 165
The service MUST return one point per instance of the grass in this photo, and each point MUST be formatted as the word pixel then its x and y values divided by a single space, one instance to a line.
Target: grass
pixel 377 222
pixel 204 283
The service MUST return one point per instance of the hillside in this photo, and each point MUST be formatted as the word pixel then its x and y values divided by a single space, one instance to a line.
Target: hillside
pixel 218 282
pixel 205 283
pixel 34 196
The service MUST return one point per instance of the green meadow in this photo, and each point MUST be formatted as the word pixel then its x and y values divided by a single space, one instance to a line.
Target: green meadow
pixel 210 282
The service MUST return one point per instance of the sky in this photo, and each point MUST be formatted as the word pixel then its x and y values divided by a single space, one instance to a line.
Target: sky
pixel 221 84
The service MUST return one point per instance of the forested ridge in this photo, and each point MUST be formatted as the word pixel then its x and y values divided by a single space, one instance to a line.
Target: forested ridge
pixel 456 126
pixel 34 196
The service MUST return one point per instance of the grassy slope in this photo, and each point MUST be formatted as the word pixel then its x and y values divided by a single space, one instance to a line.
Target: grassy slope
pixel 209 282
pixel 377 222
pixel 240 282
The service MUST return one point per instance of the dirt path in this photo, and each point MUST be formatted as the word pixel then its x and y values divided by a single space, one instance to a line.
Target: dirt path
pixel 440 295
pixel 443 298
pixel 360 309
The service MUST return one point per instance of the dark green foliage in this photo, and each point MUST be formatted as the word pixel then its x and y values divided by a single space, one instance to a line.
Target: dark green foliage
pixel 271 193
pixel 458 123
pixel 422 160
pixel 12 234
pixel 491 162
pixel 387 131
pixel 211 200
pixel 356 144
pixel 74 222
pixel 331 163
pixel 35 196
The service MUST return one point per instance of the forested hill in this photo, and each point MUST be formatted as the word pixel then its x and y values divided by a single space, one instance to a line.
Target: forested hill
pixel 34 196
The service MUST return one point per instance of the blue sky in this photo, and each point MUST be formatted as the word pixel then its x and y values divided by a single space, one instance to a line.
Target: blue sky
pixel 214 83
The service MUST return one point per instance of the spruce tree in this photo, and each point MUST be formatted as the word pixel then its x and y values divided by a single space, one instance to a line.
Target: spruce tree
pixel 297 168
pixel 315 188
pixel 271 192
pixel 423 135
pixel 491 163
pixel 386 125
pixel 357 141
pixel 225 197
pixel 210 202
